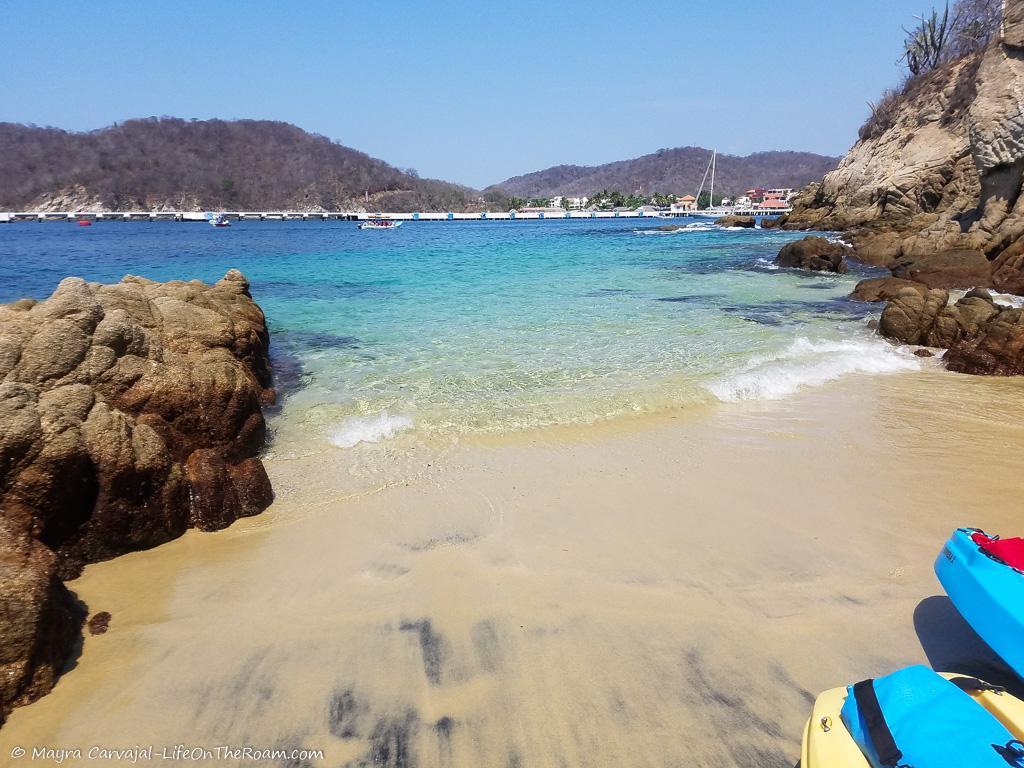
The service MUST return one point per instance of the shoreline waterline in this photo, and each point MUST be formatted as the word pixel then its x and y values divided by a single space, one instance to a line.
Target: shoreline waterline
pixel 649 589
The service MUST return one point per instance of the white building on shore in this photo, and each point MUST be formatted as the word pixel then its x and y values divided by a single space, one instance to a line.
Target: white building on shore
pixel 684 204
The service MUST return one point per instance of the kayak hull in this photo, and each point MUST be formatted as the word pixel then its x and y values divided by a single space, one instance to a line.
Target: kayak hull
pixel 987 593
pixel 828 744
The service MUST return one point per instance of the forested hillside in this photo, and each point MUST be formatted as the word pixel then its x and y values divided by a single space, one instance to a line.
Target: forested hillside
pixel 203 164
pixel 674 171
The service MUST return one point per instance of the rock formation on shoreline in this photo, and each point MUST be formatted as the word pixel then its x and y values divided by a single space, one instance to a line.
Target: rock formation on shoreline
pixel 731 220
pixel 814 253
pixel 128 414
pixel 939 167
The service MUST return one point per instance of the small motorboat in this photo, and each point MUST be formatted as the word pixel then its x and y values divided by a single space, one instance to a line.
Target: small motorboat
pixel 984 577
pixel 84 223
pixel 219 221
pixel 915 717
pixel 380 224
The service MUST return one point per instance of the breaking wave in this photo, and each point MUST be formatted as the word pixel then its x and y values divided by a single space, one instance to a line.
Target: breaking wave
pixel 368 429
pixel 807 363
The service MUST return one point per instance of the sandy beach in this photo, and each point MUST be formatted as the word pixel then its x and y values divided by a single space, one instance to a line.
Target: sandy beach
pixel 647 592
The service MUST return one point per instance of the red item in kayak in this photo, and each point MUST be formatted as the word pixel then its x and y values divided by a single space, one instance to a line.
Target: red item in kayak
pixel 1010 551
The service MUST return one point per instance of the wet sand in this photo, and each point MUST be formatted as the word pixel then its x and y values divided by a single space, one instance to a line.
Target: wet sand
pixel 657 591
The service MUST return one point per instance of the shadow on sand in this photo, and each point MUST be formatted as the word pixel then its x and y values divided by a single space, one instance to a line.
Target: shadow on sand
pixel 952 646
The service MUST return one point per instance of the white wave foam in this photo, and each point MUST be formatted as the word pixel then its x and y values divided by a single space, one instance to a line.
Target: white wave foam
pixel 1009 299
pixel 368 429
pixel 682 229
pixel 807 363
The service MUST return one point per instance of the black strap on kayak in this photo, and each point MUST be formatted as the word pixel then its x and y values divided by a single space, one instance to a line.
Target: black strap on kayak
pixel 1012 753
pixel 878 729
pixel 968 684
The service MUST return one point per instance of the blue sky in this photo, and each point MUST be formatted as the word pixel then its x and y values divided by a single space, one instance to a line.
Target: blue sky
pixel 469 92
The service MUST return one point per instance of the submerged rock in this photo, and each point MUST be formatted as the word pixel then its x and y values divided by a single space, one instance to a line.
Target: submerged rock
pixel 814 253
pixel 128 414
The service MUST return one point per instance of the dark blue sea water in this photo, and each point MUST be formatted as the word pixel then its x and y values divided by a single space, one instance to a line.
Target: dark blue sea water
pixel 453 327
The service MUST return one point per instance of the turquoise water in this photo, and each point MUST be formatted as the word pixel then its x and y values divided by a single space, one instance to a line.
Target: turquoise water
pixel 453 328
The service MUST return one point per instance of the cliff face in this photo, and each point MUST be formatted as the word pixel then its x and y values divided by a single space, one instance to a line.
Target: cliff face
pixel 939 167
pixel 128 414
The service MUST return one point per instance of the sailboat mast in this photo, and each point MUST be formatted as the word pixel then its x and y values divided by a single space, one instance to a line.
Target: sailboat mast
pixel 711 200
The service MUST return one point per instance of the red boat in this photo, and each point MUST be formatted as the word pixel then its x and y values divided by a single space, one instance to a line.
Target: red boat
pixel 84 223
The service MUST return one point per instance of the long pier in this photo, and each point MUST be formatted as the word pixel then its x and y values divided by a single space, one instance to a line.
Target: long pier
pixel 203 216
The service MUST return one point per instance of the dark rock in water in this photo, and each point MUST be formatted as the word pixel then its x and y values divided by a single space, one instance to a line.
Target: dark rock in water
pixel 99 623
pixel 747 222
pixel 814 253
pixel 997 349
pixel 979 293
pixel 958 268
pixel 774 222
pixel 884 288
pixel 128 414
pixel 923 352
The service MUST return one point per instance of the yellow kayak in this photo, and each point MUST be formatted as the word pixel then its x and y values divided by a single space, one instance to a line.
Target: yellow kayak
pixel 827 743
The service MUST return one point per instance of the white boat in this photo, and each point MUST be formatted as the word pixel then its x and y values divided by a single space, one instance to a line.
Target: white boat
pixel 380 224
pixel 713 212
pixel 219 220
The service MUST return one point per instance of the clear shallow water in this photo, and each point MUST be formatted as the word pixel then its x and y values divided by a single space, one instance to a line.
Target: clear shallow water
pixel 439 329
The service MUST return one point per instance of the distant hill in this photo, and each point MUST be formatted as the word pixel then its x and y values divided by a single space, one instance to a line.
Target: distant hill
pixel 674 171
pixel 203 164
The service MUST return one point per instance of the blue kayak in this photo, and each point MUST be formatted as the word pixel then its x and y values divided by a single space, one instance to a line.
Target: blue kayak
pixel 982 577
pixel 915 717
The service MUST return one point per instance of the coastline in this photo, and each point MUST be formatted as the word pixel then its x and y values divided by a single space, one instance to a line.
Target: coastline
pixel 665 585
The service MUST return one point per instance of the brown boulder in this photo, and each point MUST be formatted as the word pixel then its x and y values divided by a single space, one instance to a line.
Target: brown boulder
pixel 958 268
pixel 747 222
pixel 1008 269
pixel 909 317
pixel 128 413
pixel 963 320
pixel 774 222
pixel 916 318
pixel 884 288
pixel 39 619
pixel 814 253
pixel 997 350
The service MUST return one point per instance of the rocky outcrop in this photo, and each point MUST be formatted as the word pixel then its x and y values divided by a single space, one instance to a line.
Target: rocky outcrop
pixel 814 253
pixel 747 222
pixel 884 288
pixel 998 349
pixel 958 268
pixel 981 337
pixel 939 167
pixel 928 318
pixel 128 414
pixel 39 619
